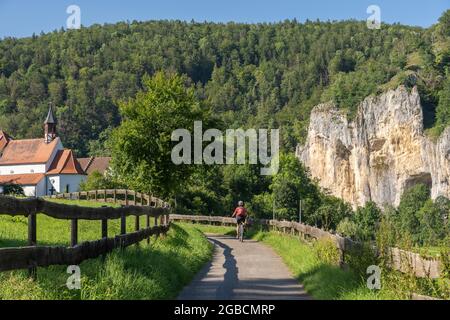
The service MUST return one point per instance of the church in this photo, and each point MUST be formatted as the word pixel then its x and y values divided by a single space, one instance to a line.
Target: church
pixel 40 166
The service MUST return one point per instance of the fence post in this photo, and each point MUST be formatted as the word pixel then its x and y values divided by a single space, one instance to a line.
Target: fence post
pixel 115 195
pixel 104 228
pixel 32 270
pixel 105 195
pixel 126 197
pixel 96 195
pixel 136 224
pixel 137 227
pixel 148 226
pixel 74 233
pixel 123 224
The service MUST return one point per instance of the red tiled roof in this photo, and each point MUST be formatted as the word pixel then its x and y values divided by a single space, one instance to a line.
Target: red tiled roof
pixel 65 163
pixel 28 151
pixel 22 179
pixel 100 164
pixel 4 139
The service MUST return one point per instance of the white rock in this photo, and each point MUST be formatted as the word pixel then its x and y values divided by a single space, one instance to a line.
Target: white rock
pixel 379 154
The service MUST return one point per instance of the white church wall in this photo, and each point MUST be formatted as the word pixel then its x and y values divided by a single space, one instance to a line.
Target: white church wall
pixel 58 147
pixel 72 181
pixel 35 191
pixel 59 182
pixel 22 169
pixel 41 188
pixel 53 181
pixel 30 191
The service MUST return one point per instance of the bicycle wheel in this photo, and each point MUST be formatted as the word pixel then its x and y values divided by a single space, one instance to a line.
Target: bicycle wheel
pixel 241 232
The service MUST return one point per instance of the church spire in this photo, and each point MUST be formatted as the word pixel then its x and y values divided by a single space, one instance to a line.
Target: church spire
pixel 50 126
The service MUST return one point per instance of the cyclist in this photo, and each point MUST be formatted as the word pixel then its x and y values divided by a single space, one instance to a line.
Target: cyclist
pixel 241 215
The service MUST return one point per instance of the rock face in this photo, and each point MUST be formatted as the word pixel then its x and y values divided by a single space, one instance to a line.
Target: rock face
pixel 379 154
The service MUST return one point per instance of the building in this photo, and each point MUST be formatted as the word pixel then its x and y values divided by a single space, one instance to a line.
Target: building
pixel 41 166
pixel 92 164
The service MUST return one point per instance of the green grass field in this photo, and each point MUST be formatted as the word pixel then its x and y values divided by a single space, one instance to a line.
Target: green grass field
pixel 156 271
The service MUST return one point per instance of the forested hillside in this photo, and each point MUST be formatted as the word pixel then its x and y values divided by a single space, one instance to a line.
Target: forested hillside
pixel 268 75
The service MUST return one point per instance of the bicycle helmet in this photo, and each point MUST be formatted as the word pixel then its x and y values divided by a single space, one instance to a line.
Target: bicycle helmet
pixel 241 203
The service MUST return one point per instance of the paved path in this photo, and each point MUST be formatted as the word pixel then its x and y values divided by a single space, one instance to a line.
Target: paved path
pixel 240 271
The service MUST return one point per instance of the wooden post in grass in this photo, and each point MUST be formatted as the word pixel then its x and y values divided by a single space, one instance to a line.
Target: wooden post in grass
pixel 104 232
pixel 74 232
pixel 148 226
pixel 32 270
pixel 126 197
pixel 104 228
pixel 123 224
pixel 137 227
pixel 115 195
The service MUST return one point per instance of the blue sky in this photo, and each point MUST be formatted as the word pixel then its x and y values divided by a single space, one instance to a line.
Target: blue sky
pixel 21 18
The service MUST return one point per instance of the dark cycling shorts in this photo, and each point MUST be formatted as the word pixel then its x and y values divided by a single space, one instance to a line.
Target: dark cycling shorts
pixel 240 219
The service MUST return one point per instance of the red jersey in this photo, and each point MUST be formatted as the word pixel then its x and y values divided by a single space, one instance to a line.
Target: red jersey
pixel 240 212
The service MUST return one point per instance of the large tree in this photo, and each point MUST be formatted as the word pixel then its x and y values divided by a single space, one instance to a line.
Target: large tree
pixel 141 146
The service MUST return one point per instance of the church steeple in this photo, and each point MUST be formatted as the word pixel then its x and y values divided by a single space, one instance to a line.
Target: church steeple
pixel 50 126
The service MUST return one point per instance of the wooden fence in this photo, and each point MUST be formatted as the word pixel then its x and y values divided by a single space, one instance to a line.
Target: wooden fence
pixel 119 196
pixel 401 260
pixel 34 256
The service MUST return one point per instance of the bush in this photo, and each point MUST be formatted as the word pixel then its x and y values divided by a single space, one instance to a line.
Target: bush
pixel 326 251
pixel 347 228
pixel 13 190
pixel 432 224
pixel 360 258
pixel 367 219
pixel 331 211
pixel 411 202
pixel 261 206
pixel 97 181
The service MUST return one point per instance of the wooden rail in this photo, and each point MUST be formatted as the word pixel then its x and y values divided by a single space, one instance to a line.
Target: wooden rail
pixel 34 256
pixel 120 196
pixel 401 260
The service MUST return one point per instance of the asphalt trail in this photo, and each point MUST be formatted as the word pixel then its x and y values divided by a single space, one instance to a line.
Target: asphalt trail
pixel 240 271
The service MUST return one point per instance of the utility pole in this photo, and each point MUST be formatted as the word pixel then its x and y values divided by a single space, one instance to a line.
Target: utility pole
pixel 300 211
pixel 273 209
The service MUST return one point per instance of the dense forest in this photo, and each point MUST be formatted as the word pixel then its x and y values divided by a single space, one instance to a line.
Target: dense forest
pixel 258 75
pixel 121 90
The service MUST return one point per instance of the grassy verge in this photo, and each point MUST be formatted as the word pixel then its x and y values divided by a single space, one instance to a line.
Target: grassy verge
pixel 320 279
pixel 156 271
pixel 206 228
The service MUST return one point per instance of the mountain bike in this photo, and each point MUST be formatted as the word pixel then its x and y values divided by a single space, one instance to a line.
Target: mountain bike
pixel 241 231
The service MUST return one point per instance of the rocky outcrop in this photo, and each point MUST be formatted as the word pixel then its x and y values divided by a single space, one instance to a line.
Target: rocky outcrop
pixel 379 154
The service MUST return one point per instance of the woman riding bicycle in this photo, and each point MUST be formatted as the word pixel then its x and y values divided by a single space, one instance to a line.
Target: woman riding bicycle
pixel 241 215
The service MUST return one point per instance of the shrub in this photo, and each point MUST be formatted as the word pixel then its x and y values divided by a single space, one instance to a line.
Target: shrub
pixel 361 257
pixel 97 181
pixel 347 228
pixel 367 219
pixel 13 190
pixel 326 251
pixel 411 202
pixel 432 224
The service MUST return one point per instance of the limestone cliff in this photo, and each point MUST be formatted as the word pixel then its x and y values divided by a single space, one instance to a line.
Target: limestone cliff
pixel 379 154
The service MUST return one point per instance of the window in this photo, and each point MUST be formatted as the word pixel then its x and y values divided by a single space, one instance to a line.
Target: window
pixel 67 188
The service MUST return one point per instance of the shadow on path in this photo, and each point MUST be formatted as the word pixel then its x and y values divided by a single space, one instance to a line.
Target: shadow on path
pixel 248 270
